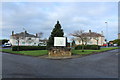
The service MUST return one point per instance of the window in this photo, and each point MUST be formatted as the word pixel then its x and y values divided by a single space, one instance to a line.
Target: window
pixel 23 42
pixel 16 42
pixel 29 38
pixel 90 42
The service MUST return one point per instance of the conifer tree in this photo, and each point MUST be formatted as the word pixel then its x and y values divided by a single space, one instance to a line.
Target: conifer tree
pixel 73 43
pixel 56 32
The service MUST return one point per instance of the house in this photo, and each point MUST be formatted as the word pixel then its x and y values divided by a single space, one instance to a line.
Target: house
pixel 25 39
pixel 118 35
pixel 93 38
pixel 43 42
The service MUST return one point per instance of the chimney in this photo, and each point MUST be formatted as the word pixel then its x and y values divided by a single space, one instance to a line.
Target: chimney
pixel 12 32
pixel 89 31
pixel 57 22
pixel 36 35
pixel 102 32
pixel 25 31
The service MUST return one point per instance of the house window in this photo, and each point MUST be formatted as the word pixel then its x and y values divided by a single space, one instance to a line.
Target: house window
pixel 39 44
pixel 23 42
pixel 29 38
pixel 16 42
pixel 90 42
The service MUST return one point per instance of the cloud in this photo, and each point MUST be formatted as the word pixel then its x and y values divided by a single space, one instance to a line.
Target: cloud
pixel 42 16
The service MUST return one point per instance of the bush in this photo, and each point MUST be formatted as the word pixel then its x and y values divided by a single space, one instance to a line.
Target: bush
pixel 117 41
pixel 88 47
pixel 25 48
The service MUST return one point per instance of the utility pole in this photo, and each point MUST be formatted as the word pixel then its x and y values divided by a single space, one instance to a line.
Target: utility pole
pixel 106 33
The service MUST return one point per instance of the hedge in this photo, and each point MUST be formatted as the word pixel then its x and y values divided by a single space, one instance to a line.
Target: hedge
pixel 24 48
pixel 88 47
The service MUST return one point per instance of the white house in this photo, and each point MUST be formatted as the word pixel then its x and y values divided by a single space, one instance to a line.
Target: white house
pixel 118 35
pixel 93 38
pixel 26 39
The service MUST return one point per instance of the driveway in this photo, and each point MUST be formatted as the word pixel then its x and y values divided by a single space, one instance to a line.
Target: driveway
pixel 103 65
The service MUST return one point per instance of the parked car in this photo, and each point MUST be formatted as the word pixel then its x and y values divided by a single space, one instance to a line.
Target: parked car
pixel 115 45
pixel 104 45
pixel 6 45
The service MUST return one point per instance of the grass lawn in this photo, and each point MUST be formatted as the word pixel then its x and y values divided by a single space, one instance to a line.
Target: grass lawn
pixel 93 51
pixel 45 52
pixel 31 53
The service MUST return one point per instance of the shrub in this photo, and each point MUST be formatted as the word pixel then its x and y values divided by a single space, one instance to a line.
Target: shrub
pixel 88 47
pixel 117 41
pixel 24 48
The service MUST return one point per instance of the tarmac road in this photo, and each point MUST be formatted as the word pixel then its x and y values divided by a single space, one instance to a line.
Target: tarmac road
pixel 103 65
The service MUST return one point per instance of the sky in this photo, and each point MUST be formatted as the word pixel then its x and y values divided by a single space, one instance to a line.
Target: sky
pixel 42 16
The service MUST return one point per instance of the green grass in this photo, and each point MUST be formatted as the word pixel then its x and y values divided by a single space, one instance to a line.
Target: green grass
pixel 45 52
pixel 93 51
pixel 31 53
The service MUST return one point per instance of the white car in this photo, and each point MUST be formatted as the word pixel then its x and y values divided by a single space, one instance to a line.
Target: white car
pixel 115 44
pixel 7 45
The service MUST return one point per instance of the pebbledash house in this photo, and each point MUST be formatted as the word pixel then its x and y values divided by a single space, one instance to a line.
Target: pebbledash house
pixel 26 39
pixel 92 38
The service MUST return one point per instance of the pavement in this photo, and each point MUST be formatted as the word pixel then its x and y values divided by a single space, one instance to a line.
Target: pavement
pixel 102 65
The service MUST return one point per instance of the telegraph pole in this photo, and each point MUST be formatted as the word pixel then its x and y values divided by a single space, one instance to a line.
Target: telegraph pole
pixel 106 33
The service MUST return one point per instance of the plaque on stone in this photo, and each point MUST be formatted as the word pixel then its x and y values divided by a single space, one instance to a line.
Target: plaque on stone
pixel 59 41
pixel 59 49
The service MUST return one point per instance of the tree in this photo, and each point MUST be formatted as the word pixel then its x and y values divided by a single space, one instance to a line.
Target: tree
pixel 79 35
pixel 17 38
pixel 116 41
pixel 73 43
pixel 66 42
pixel 87 39
pixel 56 32
pixel 40 34
pixel 97 39
pixel 3 41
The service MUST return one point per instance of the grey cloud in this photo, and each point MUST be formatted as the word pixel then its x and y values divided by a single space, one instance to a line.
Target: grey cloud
pixel 36 17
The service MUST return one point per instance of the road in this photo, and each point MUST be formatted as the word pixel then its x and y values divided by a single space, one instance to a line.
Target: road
pixel 103 65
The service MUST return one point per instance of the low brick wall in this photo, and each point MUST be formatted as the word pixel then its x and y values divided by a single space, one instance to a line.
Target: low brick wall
pixel 59 52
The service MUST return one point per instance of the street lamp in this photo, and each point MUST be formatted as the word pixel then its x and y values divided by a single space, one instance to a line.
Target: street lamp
pixel 106 32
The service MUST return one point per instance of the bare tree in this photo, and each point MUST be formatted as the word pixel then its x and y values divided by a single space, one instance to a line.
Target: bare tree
pixel 29 40
pixel 79 34
pixel 17 38
pixel 96 37
pixel 87 39
pixel 40 34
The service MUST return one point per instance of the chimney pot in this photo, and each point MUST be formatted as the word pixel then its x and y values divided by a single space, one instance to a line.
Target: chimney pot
pixel 89 31
pixel 102 32
pixel 36 35
pixel 57 22
pixel 12 32
pixel 25 31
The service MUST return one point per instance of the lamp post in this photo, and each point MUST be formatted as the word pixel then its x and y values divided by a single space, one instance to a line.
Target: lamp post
pixel 106 33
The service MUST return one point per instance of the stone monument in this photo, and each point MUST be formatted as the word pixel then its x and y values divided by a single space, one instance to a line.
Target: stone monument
pixel 59 49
